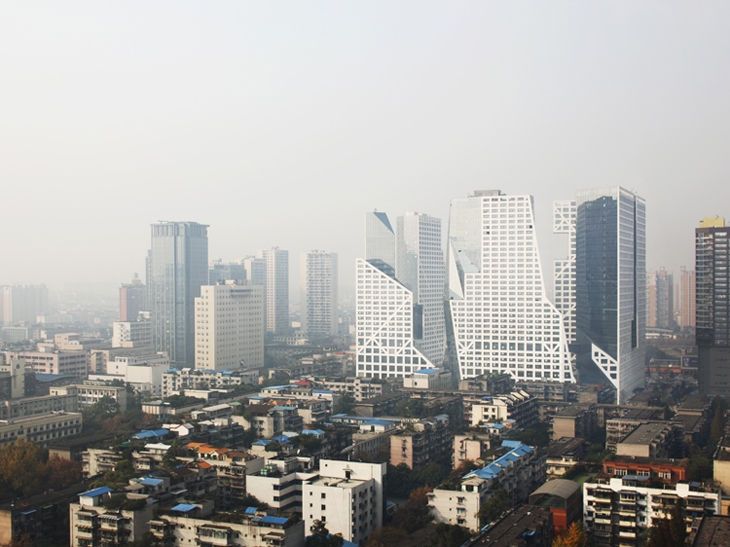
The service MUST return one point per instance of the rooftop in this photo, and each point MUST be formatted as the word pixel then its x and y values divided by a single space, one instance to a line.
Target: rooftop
pixel 645 433
pixel 524 522
pixel 713 530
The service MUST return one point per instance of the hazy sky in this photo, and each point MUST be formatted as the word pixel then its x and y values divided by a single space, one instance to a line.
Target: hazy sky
pixel 282 123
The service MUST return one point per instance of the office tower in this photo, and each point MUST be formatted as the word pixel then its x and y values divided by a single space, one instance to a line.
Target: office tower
pixel 219 271
pixel 318 284
pixel 277 290
pixel 501 319
pixel 610 288
pixel 24 303
pixel 229 327
pixel 132 334
pixel 400 317
pixel 132 299
pixel 564 270
pixel 686 299
pixel 177 268
pixel 713 308
pixel 659 299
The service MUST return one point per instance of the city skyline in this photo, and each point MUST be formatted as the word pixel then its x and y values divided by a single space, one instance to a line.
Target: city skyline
pixel 483 98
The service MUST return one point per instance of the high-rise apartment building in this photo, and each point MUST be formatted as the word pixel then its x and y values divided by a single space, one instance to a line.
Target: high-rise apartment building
pixel 132 299
pixel 277 290
pixel 400 314
pixel 610 288
pixel 501 319
pixel 229 327
pixel 660 299
pixel 24 303
pixel 177 268
pixel 712 260
pixel 686 299
pixel 318 285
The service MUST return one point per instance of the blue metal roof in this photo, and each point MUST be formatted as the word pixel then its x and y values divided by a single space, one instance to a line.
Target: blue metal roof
pixel 377 422
pixel 96 492
pixel 262 442
pixel 50 377
pixel 427 371
pixel 285 407
pixel 274 520
pixel 281 439
pixel 251 510
pixel 493 469
pixel 149 433
pixel 327 391
pixel 312 432
pixel 184 507
pixel 148 481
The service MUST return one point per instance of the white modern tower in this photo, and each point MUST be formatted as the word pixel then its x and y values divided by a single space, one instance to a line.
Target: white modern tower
pixel 400 319
pixel 318 285
pixel 277 290
pixel 501 319
pixel 229 327
pixel 564 270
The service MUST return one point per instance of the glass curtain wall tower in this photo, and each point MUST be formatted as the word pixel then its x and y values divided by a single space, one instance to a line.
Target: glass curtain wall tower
pixel 400 314
pixel 177 268
pixel 610 288
pixel 501 320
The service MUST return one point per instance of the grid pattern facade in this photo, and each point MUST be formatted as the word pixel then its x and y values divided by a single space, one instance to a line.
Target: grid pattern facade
pixel 420 267
pixel 564 270
pixel 177 268
pixel 229 327
pixel 713 308
pixel 687 285
pixel 318 273
pixel 501 319
pixel 277 290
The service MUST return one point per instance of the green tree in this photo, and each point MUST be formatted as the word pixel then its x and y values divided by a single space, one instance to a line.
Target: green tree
pixel 61 472
pixel 493 508
pixel 387 536
pixel 344 405
pixel 717 429
pixel 574 536
pixel 21 467
pixel 415 513
pixel 320 537
pixel 449 535
pixel 669 532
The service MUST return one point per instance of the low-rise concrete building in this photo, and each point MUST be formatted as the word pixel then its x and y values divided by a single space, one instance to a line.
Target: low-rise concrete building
pixel 473 447
pixel 428 378
pixel 564 454
pixel 616 510
pixel 653 440
pixel 88 395
pixel 421 443
pixel 518 470
pixel 577 420
pixel 517 405
pixel 41 429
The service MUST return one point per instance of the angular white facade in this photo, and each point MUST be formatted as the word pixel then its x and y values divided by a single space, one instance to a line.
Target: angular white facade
pixel 229 327
pixel 400 316
pixel 318 277
pixel 564 270
pixel 501 318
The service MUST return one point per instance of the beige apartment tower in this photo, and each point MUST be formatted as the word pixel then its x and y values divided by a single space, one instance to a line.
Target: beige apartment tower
pixel 229 327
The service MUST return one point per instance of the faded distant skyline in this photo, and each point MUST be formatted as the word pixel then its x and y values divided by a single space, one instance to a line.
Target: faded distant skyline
pixel 282 124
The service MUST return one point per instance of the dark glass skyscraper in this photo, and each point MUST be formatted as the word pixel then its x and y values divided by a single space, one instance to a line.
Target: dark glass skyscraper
pixel 713 306
pixel 610 288
pixel 177 268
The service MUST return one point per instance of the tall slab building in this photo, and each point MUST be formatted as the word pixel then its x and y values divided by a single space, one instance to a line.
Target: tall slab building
pixel 686 298
pixel 610 288
pixel 177 267
pixel 318 291
pixel 400 314
pixel 501 319
pixel 132 299
pixel 277 290
pixel 712 260
pixel 229 326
